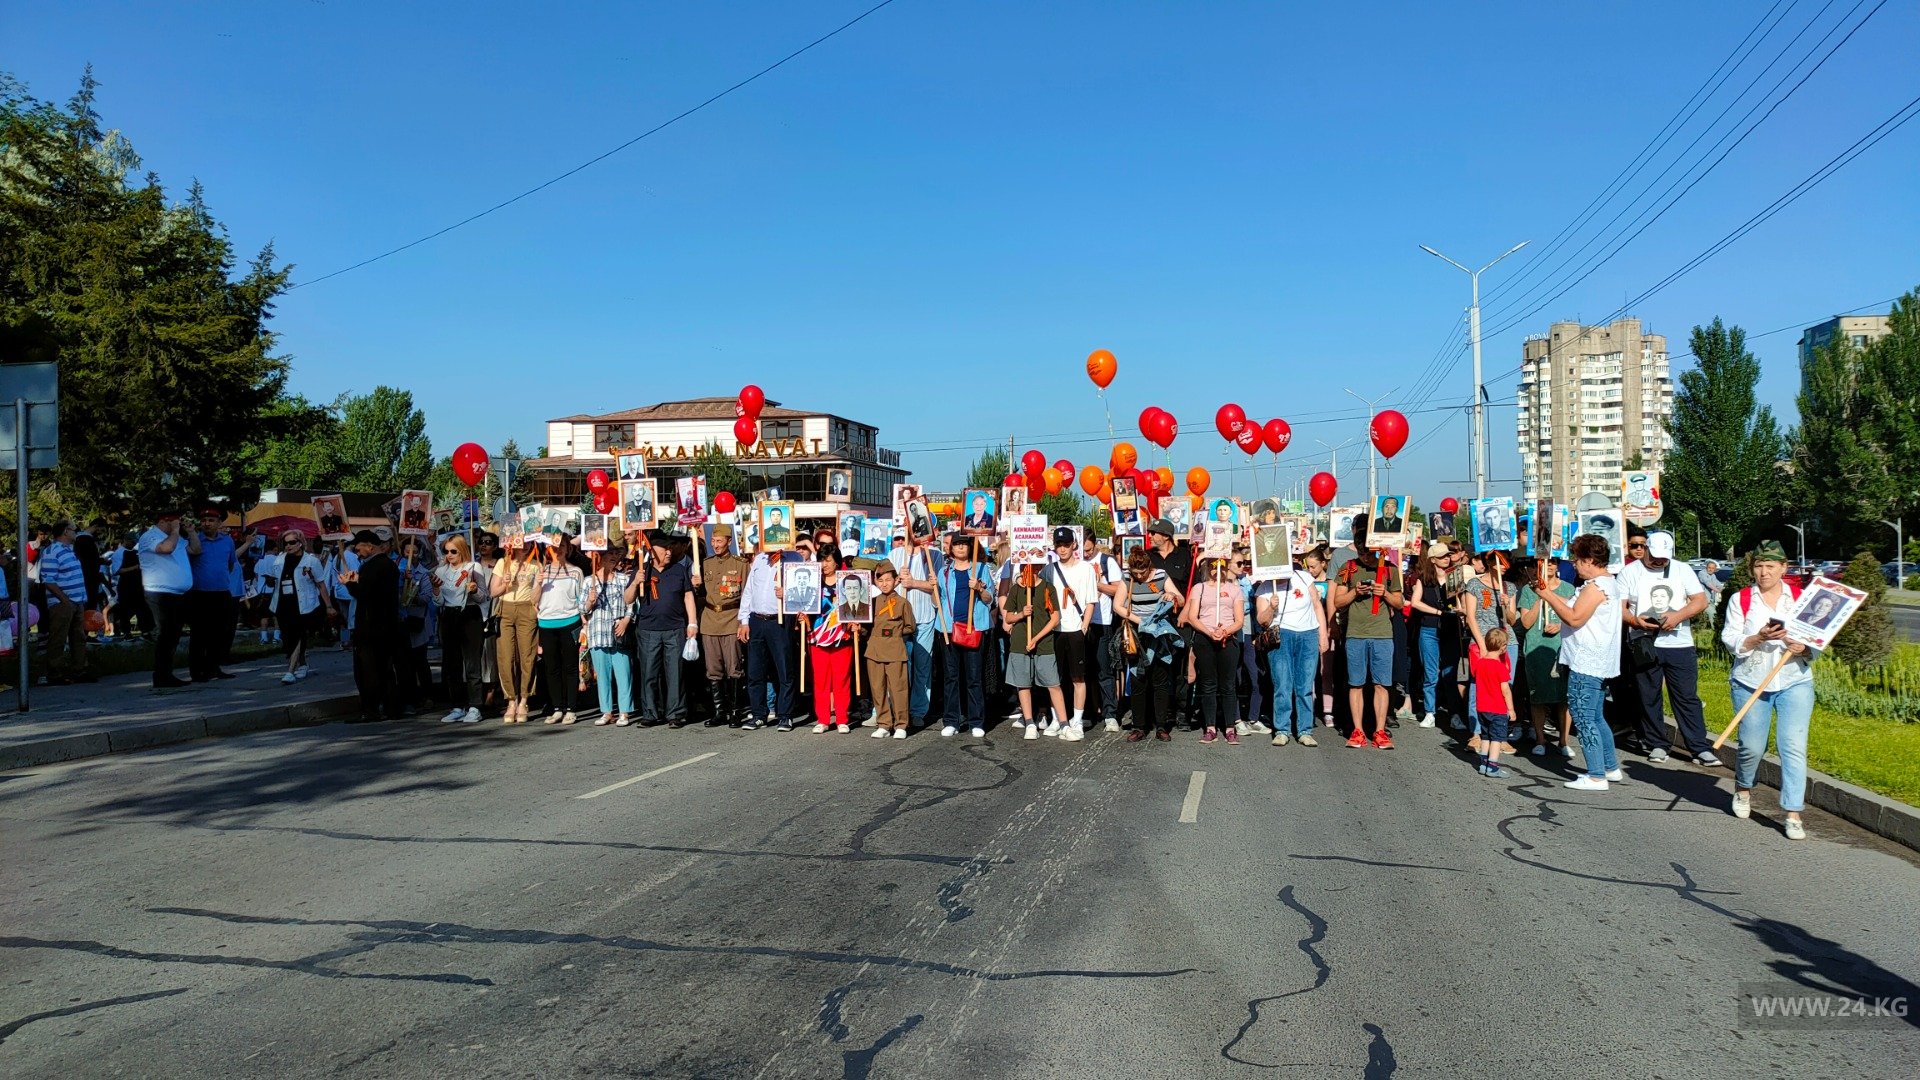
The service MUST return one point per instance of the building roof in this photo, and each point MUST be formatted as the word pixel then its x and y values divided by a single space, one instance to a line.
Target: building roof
pixel 708 408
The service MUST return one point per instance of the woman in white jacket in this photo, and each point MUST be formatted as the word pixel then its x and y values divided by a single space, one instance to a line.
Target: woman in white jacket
pixel 300 592
pixel 1756 634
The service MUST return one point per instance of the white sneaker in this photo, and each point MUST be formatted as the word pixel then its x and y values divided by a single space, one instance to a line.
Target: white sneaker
pixel 1796 830
pixel 1280 739
pixel 301 672
pixel 1017 721
pixel 881 733
pixel 1539 750
pixel 898 733
pixel 1616 775
pixel 1072 733
pixel 471 716
pixel 1309 740
pixel 1240 728
pixel 1112 724
pixel 979 733
pixel 1052 728
pixel 1567 752
pixel 1586 783
pixel 819 729
pixel 1033 732
pixel 453 717
pixel 841 729
pixel 1742 804
pixel 949 731
pixel 288 679
pixel 1259 728
pixel 1427 720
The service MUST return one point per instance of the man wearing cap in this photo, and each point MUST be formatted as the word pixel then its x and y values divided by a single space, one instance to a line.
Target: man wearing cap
pixel 920 567
pixel 211 611
pixel 379 642
pixel 1676 662
pixel 721 582
pixel 166 574
pixel 1102 694
pixel 1175 559
pixel 1075 587
pixel 661 596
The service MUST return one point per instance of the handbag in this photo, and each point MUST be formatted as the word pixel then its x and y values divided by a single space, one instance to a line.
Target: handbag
pixel 1642 653
pixel 965 634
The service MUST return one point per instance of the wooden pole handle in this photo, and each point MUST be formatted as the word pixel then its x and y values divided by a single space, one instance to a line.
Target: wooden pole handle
pixel 1742 714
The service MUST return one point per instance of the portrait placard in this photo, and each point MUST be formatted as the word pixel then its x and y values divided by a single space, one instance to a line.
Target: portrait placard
pixel 876 537
pixel 979 513
pixel 639 503
pixel 1272 551
pixel 1340 525
pixel 847 532
pixel 800 588
pixel 691 497
pixel 1029 538
pixel 1640 497
pixel 853 596
pixel 902 495
pixel 919 521
pixel 839 485
pixel 776 527
pixel 331 512
pixel 1223 511
pixel 1491 523
pixel 416 513
pixel 629 466
pixel 1387 523
pixel 593 532
pixel 1824 608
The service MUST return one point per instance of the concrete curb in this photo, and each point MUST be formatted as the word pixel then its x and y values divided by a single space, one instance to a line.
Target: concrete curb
pixel 1876 813
pixel 165 732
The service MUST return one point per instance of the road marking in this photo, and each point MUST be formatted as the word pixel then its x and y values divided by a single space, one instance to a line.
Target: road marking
pixel 1190 810
pixel 648 775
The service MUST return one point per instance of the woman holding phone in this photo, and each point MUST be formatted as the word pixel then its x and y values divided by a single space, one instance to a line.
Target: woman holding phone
pixel 516 581
pixel 1756 633
pixel 1590 651
pixel 464 594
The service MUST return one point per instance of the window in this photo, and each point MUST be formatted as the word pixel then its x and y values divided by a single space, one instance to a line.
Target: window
pixel 611 436
pixel 780 429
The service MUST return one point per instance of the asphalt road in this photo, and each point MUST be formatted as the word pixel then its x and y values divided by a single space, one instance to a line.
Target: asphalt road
pixel 1906 620
pixel 423 901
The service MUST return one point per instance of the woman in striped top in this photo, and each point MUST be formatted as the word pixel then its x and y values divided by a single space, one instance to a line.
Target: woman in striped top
pixel 830 652
pixel 608 617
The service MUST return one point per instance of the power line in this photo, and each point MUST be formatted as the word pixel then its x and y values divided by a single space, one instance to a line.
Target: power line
pixel 597 159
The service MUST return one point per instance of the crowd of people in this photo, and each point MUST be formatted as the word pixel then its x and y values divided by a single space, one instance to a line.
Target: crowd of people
pixel 1514 655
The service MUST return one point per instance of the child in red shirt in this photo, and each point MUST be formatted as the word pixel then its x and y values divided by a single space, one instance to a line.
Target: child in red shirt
pixel 1492 697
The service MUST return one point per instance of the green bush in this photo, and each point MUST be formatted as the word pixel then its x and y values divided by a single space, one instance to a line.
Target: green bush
pixel 1868 638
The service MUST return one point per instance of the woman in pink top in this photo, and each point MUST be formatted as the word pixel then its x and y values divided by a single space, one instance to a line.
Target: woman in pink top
pixel 1215 610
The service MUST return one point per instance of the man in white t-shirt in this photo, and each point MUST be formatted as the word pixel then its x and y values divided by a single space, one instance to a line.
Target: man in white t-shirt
pixel 1074 586
pixel 1659 599
pixel 166 573
pixel 1109 579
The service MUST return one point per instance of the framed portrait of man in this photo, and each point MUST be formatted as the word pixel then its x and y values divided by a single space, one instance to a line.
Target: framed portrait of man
pixel 691 496
pixel 847 532
pixel 639 502
pixel 1272 551
pixel 902 495
pixel 876 538
pixel 1340 525
pixel 853 599
pixel 1439 523
pixel 1491 523
pixel 1824 608
pixel 1387 524
pixel 1125 546
pixel 799 588
pixel 331 512
pixel 1224 511
pixel 839 485
pixel 416 513
pixel 1179 514
pixel 631 465
pixel 978 512
pixel 776 527
pixel 593 532
pixel 1640 497
pixel 1125 497
pixel 919 521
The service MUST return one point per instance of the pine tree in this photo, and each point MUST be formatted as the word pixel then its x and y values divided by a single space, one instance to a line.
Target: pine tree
pixel 1724 467
pixel 1857 451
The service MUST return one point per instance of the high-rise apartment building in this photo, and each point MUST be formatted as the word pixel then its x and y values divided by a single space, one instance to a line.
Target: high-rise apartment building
pixel 1862 330
pixel 1591 398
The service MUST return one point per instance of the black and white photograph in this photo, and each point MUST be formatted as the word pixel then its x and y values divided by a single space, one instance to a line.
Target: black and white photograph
pixel 1272 551
pixel 846 531
pixel 902 495
pixel 331 512
pixel 839 485
pixel 876 538
pixel 853 596
pixel 639 503
pixel 1340 525
pixel 1824 608
pixel 631 466
pixel 1013 501
pixel 919 521
pixel 1492 522
pixel 799 588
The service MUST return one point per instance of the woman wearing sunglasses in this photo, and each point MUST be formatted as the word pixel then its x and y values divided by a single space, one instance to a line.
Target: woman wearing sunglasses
pixel 464 589
pixel 300 592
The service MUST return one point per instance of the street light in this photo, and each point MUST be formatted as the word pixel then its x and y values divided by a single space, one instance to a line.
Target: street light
pixel 1371 494
pixel 1803 542
pixel 1899 553
pixel 1479 391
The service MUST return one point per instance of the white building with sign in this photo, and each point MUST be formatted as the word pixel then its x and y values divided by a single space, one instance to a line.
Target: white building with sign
pixel 795 450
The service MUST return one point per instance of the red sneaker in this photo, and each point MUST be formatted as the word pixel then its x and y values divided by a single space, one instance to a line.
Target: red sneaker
pixel 1382 740
pixel 1358 738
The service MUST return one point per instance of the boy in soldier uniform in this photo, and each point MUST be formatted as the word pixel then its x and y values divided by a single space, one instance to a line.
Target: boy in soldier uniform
pixel 887 638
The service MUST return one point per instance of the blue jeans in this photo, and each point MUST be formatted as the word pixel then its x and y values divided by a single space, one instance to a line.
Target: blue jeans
pixel 1429 668
pixel 920 670
pixel 1586 700
pixel 1292 666
pixel 613 667
pixel 1789 712
pixel 769 679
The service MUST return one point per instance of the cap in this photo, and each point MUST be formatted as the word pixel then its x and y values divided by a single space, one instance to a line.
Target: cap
pixel 723 532
pixel 1063 535
pixel 1161 527
pixel 658 536
pixel 365 536
pixel 1660 545
pixel 213 512
pixel 1769 551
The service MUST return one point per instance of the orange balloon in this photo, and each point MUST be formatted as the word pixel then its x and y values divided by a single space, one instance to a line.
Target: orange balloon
pixel 1106 492
pixel 1091 478
pixel 1198 479
pixel 1101 367
pixel 1055 481
pixel 1196 502
pixel 1166 478
pixel 1124 456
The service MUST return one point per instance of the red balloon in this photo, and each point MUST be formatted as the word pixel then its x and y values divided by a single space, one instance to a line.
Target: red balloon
pixel 605 499
pixel 597 480
pixel 1449 505
pixel 752 400
pixel 1276 435
pixel 723 503
pixel 1389 432
pixel 1165 429
pixel 1229 421
pixel 1033 462
pixel 1147 416
pixel 1013 480
pixel 1249 439
pixel 1066 469
pixel 1323 488
pixel 470 463
pixel 746 430
pixel 1146 481
pixel 1037 487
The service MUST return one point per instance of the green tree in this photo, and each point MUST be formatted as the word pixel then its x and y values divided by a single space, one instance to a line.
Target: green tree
pixel 1723 469
pixel 1867 640
pixel 989 470
pixel 166 365
pixel 381 443
pixel 1857 451
pixel 722 474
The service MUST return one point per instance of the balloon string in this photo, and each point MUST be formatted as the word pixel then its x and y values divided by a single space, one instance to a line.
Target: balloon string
pixel 1102 391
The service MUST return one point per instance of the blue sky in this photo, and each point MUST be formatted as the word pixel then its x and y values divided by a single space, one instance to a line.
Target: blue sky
pixel 928 222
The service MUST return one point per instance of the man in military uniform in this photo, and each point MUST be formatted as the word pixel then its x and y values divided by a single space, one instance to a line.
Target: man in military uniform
pixel 887 674
pixel 722 578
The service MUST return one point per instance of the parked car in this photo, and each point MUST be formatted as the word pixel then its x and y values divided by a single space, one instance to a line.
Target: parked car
pixel 1832 568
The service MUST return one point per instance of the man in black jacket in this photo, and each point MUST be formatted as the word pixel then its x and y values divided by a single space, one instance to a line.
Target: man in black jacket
pixel 377 634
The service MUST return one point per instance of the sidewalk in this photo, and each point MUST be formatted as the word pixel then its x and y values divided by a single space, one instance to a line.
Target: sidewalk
pixel 125 713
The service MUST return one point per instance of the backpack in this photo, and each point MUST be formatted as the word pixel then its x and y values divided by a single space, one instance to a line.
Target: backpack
pixel 1746 597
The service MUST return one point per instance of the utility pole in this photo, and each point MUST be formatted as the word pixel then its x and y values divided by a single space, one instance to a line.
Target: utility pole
pixel 1802 532
pixel 1899 552
pixel 1372 457
pixel 1479 388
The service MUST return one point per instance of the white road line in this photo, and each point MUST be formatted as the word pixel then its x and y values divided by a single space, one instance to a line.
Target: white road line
pixel 648 775
pixel 1190 810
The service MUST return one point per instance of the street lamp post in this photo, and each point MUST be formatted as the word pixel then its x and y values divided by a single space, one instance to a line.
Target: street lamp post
pixel 1479 391
pixel 1372 462
pixel 1899 552
pixel 1801 530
